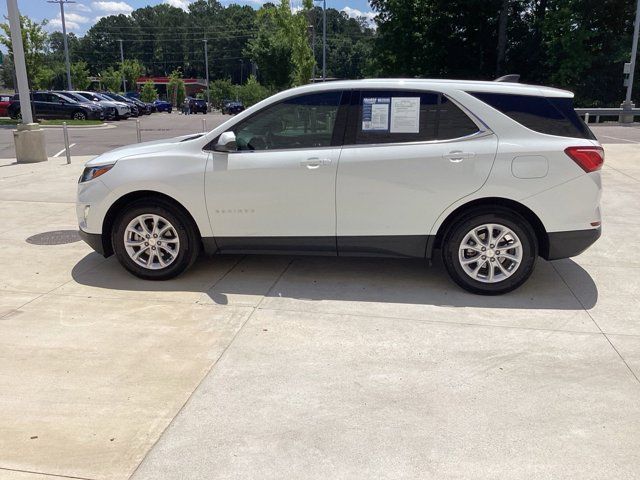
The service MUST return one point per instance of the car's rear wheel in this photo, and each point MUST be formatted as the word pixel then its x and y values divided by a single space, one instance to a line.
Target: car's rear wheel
pixel 490 251
pixel 155 240
pixel 79 115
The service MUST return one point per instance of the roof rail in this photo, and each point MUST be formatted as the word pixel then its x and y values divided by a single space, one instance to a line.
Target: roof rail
pixel 512 77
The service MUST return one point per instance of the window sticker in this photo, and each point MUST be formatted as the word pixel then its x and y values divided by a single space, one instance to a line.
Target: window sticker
pixel 405 115
pixel 375 114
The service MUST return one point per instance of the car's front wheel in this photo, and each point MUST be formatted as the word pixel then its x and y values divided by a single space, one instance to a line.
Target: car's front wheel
pixel 490 251
pixel 155 240
pixel 79 115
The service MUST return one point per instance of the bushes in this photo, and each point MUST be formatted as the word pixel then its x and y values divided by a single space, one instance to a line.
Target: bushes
pixel 249 93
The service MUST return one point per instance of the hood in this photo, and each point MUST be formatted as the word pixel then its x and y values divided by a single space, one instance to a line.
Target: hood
pixel 106 103
pixel 139 149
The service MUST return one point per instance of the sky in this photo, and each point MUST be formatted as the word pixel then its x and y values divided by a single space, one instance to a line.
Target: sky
pixel 81 15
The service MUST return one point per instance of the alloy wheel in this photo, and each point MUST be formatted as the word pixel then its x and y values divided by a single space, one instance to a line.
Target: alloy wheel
pixel 151 241
pixel 490 253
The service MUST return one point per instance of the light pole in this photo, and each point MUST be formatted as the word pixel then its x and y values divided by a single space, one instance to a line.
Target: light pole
pixel 324 39
pixel 206 68
pixel 627 105
pixel 64 39
pixel 124 80
pixel 29 137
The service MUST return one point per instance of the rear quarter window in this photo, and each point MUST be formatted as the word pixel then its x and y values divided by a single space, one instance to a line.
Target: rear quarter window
pixel 549 115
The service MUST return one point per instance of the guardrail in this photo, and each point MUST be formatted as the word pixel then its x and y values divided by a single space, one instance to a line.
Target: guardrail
pixel 589 113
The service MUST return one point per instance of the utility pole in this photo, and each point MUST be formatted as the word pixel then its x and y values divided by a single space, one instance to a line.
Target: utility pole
pixel 124 80
pixel 312 28
pixel 324 39
pixel 29 137
pixel 64 39
pixel 206 68
pixel 241 70
pixel 627 105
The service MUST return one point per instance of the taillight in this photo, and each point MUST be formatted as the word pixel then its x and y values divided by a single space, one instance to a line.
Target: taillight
pixel 589 159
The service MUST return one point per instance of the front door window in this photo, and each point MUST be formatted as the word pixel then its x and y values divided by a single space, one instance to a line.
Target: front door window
pixel 301 122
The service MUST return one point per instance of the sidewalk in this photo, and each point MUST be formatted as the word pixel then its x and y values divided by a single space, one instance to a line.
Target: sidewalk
pixel 263 367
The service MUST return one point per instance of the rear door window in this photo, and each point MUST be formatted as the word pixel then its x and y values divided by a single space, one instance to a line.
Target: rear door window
pixel 549 115
pixel 401 116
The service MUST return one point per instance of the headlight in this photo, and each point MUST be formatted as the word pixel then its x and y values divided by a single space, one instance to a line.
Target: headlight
pixel 90 173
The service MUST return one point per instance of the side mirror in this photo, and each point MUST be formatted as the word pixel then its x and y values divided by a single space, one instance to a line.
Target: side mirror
pixel 226 143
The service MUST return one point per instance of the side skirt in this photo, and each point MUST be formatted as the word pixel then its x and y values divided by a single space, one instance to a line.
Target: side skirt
pixel 402 246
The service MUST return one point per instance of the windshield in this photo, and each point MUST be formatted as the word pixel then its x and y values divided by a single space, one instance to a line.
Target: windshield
pixel 68 98
pixel 76 96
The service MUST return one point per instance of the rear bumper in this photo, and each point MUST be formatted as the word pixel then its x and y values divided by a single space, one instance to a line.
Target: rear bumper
pixel 571 243
pixel 94 240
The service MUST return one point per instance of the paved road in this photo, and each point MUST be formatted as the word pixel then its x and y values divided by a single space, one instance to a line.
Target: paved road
pixel 93 141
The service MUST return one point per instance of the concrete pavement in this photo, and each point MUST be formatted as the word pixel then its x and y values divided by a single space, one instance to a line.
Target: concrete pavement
pixel 299 367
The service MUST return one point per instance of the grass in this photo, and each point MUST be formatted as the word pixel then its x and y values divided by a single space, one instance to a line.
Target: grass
pixel 8 121
pixel 71 122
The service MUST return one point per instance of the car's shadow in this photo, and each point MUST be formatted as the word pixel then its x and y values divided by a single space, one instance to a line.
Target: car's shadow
pixel 222 279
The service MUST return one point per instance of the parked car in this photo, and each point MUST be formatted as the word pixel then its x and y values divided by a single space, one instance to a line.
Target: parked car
pixel 232 107
pixel 488 175
pixel 122 110
pixel 109 110
pixel 5 100
pixel 197 105
pixel 135 110
pixel 143 107
pixel 52 105
pixel 163 106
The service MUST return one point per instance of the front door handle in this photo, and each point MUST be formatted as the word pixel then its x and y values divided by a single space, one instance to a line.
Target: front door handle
pixel 457 156
pixel 315 162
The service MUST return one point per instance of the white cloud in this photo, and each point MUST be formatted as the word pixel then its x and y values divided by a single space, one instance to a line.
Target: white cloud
pixel 113 8
pixel 183 4
pixel 355 13
pixel 73 22
pixel 80 7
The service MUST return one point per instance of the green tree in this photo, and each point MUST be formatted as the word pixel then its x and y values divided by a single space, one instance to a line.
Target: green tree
pixel 80 75
pixel 148 92
pixel 281 46
pixel 252 92
pixel 111 79
pixel 222 89
pixel 132 71
pixel 176 90
pixel 34 40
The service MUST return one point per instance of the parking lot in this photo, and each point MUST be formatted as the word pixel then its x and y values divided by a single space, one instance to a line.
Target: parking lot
pixel 96 140
pixel 301 367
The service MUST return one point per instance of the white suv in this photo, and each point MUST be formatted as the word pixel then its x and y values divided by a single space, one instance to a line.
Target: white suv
pixel 489 174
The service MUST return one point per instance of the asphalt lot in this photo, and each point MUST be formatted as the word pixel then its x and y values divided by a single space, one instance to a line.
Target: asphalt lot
pixel 96 140
pixel 312 368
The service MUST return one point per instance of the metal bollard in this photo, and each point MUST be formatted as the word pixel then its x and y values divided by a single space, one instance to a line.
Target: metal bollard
pixel 204 125
pixel 586 117
pixel 138 130
pixel 66 142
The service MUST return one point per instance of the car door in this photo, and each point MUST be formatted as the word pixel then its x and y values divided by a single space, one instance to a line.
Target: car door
pixel 408 155
pixel 277 191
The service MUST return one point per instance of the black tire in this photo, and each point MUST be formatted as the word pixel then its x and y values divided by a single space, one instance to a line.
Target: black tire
pixel 186 232
pixel 481 216
pixel 78 115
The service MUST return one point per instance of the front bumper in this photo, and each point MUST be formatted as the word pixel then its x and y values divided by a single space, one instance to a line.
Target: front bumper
pixel 94 240
pixel 571 243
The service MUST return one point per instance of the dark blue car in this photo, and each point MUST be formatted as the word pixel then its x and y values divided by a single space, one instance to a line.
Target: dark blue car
pixel 163 106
